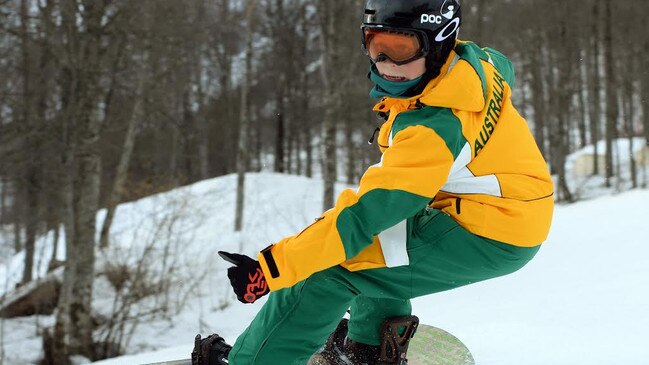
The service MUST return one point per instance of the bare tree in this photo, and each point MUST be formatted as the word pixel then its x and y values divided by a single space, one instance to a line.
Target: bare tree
pixel 565 71
pixel 611 91
pixel 242 151
pixel 202 19
pixel 329 11
pixel 536 61
pixel 125 157
pixel 31 179
pixel 629 108
pixel 645 97
pixel 594 86
pixel 74 326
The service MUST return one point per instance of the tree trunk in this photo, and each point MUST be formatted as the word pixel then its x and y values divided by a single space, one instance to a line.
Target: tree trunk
pixel 307 128
pixel 31 226
pixel 62 327
pixel 86 202
pixel 581 99
pixel 202 120
pixel 280 130
pixel 562 98
pixel 137 113
pixel 29 180
pixel 329 158
pixel 2 340
pixel 74 326
pixel 175 148
pixel 304 117
pixel 296 145
pixel 645 108
pixel 226 53
pixel 203 140
pixel 292 157
pixel 244 122
pixel 54 262
pixel 352 157
pixel 538 98
pixel 611 93
pixel 3 199
pixel 83 255
pixel 18 240
pixel 329 11
pixel 257 146
pixel 188 133
pixel 629 116
pixel 594 85
pixel 51 204
pixel 645 94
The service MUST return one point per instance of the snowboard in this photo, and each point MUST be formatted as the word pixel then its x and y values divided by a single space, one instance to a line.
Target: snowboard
pixel 434 346
pixel 429 346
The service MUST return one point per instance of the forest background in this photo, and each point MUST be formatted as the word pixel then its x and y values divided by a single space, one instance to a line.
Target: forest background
pixel 108 101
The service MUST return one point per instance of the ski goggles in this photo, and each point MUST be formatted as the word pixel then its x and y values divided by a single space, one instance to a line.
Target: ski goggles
pixel 398 46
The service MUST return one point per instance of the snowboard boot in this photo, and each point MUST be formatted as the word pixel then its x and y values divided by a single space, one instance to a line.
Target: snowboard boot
pixel 361 354
pixel 395 337
pixel 333 350
pixel 212 350
pixel 340 350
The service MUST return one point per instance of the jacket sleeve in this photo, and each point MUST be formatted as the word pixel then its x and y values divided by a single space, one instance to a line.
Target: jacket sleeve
pixel 410 173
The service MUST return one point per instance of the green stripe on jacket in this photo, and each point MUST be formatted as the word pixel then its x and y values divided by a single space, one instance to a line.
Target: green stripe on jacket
pixel 375 211
pixel 441 120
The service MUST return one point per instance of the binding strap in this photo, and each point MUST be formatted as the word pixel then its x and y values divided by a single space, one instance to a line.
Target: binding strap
pixel 395 338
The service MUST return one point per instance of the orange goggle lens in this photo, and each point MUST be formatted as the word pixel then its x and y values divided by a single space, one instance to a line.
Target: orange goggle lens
pixel 398 47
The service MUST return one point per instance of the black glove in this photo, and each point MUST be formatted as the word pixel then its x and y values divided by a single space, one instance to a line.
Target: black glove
pixel 246 277
pixel 211 350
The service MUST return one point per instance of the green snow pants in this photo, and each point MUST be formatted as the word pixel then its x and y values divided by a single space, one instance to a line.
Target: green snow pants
pixel 295 322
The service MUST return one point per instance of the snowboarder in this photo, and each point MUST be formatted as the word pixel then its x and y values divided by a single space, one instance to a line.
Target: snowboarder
pixel 462 194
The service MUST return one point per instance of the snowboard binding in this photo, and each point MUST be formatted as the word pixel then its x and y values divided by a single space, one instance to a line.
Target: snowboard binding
pixel 395 339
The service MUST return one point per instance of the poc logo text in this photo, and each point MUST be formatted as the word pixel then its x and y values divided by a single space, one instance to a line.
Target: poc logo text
pixel 431 18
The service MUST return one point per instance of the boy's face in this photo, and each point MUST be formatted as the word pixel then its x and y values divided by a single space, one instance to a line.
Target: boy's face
pixel 410 71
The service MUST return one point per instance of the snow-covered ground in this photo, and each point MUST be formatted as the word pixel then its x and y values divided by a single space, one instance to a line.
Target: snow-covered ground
pixel 583 300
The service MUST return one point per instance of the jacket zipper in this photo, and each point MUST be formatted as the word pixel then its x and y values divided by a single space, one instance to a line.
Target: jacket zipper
pixel 309 226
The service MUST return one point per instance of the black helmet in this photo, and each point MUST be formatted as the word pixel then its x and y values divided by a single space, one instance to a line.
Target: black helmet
pixel 435 22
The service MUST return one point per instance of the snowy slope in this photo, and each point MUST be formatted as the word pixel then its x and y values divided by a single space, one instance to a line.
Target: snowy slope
pixel 583 300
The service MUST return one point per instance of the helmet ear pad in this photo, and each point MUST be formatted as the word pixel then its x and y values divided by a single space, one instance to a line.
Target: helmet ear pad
pixel 438 53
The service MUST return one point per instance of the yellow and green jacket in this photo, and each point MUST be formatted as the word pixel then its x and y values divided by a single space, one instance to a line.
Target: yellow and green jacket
pixel 460 147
